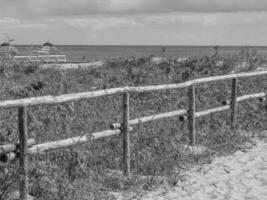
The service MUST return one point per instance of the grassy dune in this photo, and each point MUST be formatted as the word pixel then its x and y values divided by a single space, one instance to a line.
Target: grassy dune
pixel 91 170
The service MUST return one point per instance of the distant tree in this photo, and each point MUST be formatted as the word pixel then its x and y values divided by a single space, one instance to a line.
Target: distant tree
pixel 163 49
pixel 83 58
pixel 216 50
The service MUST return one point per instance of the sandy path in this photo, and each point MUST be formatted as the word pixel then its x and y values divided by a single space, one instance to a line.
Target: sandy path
pixel 242 175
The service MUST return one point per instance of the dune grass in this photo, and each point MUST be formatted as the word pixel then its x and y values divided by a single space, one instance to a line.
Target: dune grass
pixel 91 171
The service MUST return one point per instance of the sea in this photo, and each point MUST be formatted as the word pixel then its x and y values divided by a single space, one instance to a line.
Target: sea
pixel 88 53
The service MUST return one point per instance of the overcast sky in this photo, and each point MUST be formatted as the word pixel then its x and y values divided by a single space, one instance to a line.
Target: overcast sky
pixel 135 22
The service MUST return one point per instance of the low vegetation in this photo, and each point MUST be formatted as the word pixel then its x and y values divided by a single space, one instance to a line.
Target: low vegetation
pixel 92 171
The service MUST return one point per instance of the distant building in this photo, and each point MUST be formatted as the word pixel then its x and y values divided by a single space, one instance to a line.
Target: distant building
pixel 48 53
pixel 7 51
pixel 48 49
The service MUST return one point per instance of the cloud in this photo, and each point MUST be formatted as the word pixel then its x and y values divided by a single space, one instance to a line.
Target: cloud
pixel 97 23
pixel 142 21
pixel 163 20
pixel 7 21
pixel 136 21
pixel 148 29
pixel 13 23
pixel 49 8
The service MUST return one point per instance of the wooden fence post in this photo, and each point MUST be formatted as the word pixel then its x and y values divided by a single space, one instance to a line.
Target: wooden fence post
pixel 126 136
pixel 234 103
pixel 23 160
pixel 191 114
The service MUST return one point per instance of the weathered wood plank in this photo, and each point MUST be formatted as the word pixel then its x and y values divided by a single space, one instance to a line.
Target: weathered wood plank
pixel 210 111
pixel 251 96
pixel 191 115
pixel 226 107
pixel 126 136
pixel 195 82
pixel 49 146
pixel 151 118
pixel 23 158
pixel 60 98
pixel 233 103
pixel 92 94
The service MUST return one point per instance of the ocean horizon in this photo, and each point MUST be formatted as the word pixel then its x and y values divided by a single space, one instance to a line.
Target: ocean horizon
pixel 90 53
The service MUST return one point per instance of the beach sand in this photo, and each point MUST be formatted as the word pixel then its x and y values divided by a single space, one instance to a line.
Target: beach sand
pixel 240 176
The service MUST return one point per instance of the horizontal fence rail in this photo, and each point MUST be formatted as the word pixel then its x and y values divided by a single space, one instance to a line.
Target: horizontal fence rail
pixel 93 94
pixel 184 112
pixel 151 118
pixel 27 147
pixel 48 146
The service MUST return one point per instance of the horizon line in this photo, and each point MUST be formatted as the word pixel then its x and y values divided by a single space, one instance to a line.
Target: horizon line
pixel 151 45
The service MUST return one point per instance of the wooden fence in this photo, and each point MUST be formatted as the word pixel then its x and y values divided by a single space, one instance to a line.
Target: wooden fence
pixel 27 147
